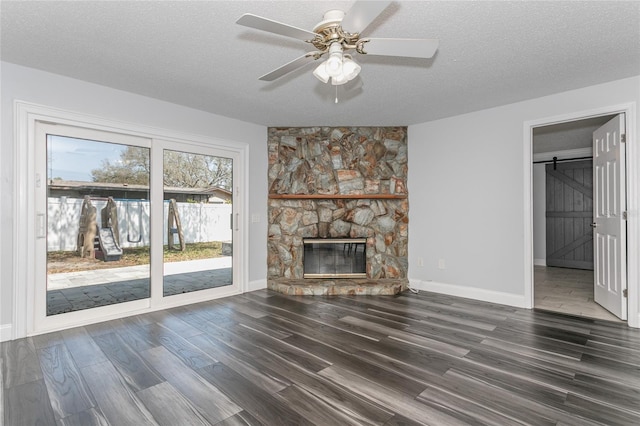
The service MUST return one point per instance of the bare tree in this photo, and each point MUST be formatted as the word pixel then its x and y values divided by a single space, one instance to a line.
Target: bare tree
pixel 185 170
pixel 182 170
pixel 132 168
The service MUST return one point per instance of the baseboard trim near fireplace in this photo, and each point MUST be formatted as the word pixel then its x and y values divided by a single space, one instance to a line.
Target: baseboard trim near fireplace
pixel 6 332
pixel 470 292
pixel 256 285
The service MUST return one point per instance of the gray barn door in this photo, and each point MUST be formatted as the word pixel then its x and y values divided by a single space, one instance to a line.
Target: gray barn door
pixel 569 191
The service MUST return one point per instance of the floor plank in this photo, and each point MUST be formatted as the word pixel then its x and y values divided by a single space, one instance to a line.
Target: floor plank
pixel 84 350
pixel 240 419
pixel 91 417
pixel 241 363
pixel 131 366
pixel 28 404
pixel 21 364
pixel 115 398
pixel 313 408
pixel 260 404
pixel 210 401
pixel 391 399
pixel 68 392
pixel 180 347
pixel 264 358
pixel 169 407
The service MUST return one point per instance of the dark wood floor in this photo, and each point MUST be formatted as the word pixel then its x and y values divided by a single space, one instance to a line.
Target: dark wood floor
pixel 263 358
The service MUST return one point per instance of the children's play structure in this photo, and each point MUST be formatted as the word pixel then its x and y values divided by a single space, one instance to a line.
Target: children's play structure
pixel 103 242
pixel 99 242
pixel 174 227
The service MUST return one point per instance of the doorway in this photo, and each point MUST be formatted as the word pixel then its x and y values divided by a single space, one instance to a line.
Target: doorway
pixel 126 224
pixel 563 205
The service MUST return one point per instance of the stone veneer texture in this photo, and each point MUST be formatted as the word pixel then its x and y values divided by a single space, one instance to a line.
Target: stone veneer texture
pixel 338 161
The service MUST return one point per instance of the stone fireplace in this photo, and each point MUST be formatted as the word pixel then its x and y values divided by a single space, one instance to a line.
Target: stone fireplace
pixel 338 183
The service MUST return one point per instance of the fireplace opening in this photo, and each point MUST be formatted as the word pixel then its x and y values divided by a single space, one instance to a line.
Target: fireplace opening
pixel 335 258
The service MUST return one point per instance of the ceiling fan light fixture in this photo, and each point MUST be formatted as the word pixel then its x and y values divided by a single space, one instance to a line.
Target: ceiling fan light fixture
pixel 339 80
pixel 340 68
pixel 334 63
pixel 336 33
pixel 350 68
pixel 321 73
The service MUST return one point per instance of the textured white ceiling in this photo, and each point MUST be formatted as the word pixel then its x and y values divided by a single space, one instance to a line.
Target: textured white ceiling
pixel 193 54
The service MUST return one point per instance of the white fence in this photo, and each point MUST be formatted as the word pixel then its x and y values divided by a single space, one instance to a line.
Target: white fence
pixel 200 222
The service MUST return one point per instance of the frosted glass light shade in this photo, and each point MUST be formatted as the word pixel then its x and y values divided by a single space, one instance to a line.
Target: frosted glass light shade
pixel 334 64
pixel 339 67
pixel 321 72
pixel 338 80
pixel 350 68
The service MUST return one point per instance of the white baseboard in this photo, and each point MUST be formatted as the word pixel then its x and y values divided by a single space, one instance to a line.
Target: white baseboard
pixel 634 320
pixel 257 285
pixel 540 262
pixel 6 332
pixel 491 296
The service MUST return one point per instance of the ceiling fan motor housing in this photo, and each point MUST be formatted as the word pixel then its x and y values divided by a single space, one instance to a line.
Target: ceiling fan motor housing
pixel 330 18
pixel 330 31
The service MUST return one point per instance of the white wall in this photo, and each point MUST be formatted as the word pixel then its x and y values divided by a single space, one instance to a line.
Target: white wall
pixel 539 215
pixel 26 84
pixel 466 177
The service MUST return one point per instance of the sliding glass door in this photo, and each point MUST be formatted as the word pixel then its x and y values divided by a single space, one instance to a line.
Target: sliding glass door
pixel 198 208
pixel 128 224
pixel 97 223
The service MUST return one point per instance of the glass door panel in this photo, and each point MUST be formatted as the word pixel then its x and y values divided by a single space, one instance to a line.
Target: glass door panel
pixel 97 224
pixel 198 236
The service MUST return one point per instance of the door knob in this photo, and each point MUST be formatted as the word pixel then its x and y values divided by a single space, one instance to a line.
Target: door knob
pixel 593 225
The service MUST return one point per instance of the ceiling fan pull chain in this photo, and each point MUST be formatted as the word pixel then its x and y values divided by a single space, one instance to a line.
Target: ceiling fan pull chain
pixel 336 94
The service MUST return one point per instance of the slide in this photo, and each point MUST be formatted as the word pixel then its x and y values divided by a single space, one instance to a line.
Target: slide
pixel 108 245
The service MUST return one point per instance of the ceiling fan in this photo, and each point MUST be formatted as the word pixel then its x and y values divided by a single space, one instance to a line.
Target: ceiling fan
pixel 336 34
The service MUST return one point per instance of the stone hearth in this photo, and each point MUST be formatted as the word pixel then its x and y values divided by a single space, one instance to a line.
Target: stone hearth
pixel 339 183
pixel 338 287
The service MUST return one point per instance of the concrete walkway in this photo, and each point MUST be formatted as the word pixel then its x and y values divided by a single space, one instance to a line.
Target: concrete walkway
pixel 115 275
pixel 73 291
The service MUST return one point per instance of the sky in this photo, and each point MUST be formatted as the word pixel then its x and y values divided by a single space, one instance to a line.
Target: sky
pixel 73 159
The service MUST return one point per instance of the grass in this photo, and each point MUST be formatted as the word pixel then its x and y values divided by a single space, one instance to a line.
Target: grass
pixel 69 261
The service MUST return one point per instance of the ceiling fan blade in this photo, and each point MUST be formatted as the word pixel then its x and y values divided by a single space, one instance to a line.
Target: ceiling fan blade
pixel 361 14
pixel 290 66
pixel 407 47
pixel 264 24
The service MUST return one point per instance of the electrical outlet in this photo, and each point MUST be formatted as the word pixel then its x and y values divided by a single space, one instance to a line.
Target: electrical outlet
pixel 441 264
pixel 255 218
pixel 420 262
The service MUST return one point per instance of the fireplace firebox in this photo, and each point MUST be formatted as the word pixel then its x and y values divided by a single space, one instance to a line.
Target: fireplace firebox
pixel 335 258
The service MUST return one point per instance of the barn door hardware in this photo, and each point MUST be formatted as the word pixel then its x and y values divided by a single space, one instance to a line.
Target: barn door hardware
pixel 555 160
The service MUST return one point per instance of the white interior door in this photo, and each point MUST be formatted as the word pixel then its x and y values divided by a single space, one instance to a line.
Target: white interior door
pixel 610 257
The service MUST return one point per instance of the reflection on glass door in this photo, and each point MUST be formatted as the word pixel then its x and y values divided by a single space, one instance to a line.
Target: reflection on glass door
pixel 97 224
pixel 197 222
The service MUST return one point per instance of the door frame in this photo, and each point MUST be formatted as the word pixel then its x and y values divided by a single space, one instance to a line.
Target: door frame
pixel 24 145
pixel 633 200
